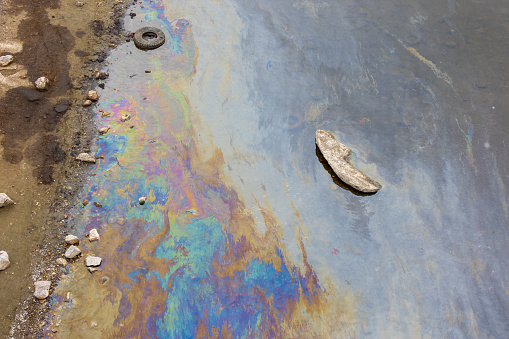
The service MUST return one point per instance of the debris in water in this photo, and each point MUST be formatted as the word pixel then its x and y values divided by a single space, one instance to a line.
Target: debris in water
pixel 149 38
pixel 72 252
pixel 4 260
pixel 5 200
pixel 85 202
pixel 96 204
pixel 42 289
pixel 142 200
pixel 42 84
pixel 338 156
pixel 125 117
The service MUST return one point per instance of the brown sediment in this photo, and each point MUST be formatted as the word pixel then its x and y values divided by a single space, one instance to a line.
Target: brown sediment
pixel 58 40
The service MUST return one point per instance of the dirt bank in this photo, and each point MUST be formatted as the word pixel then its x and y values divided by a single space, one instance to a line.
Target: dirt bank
pixel 65 41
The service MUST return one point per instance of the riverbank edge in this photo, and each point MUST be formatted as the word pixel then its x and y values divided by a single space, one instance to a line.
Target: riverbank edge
pixel 76 133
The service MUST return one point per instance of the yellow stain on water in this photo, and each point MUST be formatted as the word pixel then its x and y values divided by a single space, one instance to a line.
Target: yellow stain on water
pixel 441 75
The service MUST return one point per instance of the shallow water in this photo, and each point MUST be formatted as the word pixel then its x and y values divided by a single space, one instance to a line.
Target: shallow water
pixel 245 233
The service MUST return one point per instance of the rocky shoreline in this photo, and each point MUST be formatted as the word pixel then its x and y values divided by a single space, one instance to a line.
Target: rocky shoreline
pixel 62 128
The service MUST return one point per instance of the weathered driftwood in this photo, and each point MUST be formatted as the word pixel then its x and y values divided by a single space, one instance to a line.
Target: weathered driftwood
pixel 338 156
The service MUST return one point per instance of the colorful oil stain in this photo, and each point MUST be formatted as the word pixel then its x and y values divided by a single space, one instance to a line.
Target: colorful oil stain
pixel 190 262
pixel 468 139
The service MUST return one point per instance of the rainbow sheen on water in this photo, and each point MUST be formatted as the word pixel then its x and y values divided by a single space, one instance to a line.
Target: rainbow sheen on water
pixel 190 262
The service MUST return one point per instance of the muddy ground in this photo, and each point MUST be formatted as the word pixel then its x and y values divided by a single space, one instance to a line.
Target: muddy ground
pixel 66 41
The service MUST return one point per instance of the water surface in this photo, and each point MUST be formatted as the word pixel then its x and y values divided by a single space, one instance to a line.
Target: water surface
pixel 245 233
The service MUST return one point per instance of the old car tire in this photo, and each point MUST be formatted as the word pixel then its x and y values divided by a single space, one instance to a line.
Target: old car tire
pixel 149 38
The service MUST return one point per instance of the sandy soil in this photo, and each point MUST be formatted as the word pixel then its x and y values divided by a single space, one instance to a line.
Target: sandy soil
pixel 65 41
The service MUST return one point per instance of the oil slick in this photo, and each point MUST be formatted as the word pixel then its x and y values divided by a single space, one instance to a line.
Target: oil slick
pixel 167 272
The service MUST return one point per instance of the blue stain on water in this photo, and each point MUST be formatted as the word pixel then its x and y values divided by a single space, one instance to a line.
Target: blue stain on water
pixel 269 65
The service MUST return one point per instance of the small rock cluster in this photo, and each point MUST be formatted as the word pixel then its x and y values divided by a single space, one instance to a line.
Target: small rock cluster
pixel 73 251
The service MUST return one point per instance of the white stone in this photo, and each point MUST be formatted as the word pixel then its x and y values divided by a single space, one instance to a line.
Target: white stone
pixel 4 260
pixel 85 157
pixel 42 84
pixel 5 200
pixel 71 239
pixel 72 252
pixel 125 117
pixel 5 60
pixel 42 289
pixel 142 200
pixel 87 103
pixel 92 261
pixel 93 235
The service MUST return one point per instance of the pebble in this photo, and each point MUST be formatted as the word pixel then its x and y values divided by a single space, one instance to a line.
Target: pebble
pixel 92 95
pixel 87 103
pixel 85 202
pixel 93 269
pixel 142 200
pixel 93 235
pixel 61 262
pixel 80 3
pixel 5 200
pixel 97 204
pixel 92 261
pixel 68 296
pixel 5 60
pixel 85 157
pixel 42 84
pixel 104 130
pixel 72 252
pixel 4 260
pixel 71 239
pixel 42 289
pixel 125 117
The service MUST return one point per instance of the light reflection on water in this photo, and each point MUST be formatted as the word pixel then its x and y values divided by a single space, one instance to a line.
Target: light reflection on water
pixel 244 231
